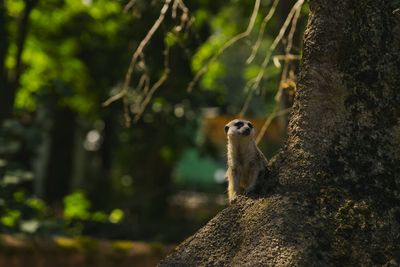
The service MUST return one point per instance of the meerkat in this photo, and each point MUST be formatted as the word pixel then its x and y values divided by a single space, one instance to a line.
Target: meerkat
pixel 245 160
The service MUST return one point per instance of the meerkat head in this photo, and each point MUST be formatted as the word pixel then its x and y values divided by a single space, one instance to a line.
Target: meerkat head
pixel 240 128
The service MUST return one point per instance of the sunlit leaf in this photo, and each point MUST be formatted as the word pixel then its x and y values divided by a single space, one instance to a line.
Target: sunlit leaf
pixel 10 218
pixel 37 204
pixel 116 216
pixel 99 216
pixel 76 206
pixel 170 39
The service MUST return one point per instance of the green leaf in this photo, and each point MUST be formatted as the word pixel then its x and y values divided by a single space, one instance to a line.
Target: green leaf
pixel 99 216
pixel 10 218
pixel 170 39
pixel 37 204
pixel 116 216
pixel 76 206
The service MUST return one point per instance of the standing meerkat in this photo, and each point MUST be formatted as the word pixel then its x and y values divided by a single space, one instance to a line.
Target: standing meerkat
pixel 245 160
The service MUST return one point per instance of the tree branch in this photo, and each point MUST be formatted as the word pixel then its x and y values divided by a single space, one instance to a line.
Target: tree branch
pixel 228 44
pixel 137 53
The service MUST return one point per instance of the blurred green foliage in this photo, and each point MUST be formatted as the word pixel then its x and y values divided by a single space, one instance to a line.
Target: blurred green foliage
pixel 76 206
pixel 30 215
pixel 61 32
pixel 66 162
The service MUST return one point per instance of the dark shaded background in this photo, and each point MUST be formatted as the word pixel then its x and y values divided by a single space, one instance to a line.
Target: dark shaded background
pixel 69 166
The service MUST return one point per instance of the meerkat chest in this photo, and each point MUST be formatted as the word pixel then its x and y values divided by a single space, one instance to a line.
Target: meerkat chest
pixel 244 166
pixel 240 160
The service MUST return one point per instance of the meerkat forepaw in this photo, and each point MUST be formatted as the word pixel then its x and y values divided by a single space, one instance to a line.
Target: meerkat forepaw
pixel 232 199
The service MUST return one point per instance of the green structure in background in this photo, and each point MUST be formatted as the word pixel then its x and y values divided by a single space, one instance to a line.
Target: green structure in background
pixel 199 171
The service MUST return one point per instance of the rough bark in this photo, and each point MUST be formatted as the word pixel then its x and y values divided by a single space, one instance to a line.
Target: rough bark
pixel 337 200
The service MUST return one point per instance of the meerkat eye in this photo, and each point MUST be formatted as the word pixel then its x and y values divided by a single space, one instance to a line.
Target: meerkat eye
pixel 251 125
pixel 239 124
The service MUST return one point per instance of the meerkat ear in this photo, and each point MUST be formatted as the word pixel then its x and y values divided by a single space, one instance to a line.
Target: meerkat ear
pixel 226 128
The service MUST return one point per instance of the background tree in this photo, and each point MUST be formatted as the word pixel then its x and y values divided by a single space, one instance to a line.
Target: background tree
pixel 337 198
pixel 10 78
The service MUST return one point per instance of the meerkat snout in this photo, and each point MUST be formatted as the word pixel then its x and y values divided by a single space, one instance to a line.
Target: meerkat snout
pixel 245 160
pixel 246 131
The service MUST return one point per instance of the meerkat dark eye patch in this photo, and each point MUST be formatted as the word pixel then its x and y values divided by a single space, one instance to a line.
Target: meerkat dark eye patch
pixel 251 125
pixel 226 129
pixel 239 124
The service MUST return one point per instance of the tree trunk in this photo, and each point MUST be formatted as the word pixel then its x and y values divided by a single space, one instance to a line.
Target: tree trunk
pixel 9 85
pixel 59 170
pixel 3 54
pixel 337 199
